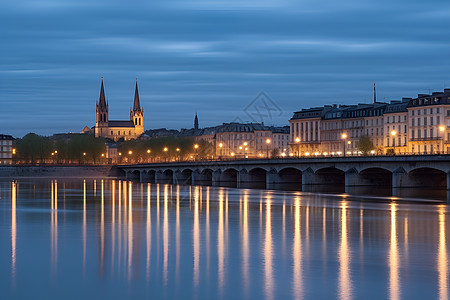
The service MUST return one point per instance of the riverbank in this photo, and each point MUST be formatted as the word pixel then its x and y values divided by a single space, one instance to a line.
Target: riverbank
pixel 60 171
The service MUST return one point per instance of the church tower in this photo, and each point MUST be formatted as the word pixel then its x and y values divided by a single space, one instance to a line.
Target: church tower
pixel 196 122
pixel 137 114
pixel 101 114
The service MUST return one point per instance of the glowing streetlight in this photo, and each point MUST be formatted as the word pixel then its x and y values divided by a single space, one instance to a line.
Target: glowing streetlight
pixel 165 149
pixel 196 146
pixel 120 153
pixel 103 154
pixel 393 133
pixel 442 129
pixel 344 137
pixel 268 141
pixel 220 146
pixel 297 140
pixel 149 151
pixel 84 153
pixel 178 149
pixel 130 152
pixel 14 151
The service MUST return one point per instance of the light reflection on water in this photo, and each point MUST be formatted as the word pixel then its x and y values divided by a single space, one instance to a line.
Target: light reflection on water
pixel 117 239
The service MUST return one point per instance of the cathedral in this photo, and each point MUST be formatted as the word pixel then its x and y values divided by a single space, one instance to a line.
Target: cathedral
pixel 115 130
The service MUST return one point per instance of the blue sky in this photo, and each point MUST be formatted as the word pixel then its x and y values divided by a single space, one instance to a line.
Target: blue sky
pixel 211 57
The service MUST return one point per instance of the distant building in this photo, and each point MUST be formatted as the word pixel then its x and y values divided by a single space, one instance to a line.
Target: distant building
pixel 115 130
pixel 6 149
pixel 415 126
pixel 235 139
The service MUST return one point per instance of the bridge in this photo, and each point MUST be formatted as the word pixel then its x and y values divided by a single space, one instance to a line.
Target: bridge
pixel 306 174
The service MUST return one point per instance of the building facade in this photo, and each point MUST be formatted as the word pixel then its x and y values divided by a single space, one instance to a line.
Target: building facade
pixel 113 129
pixel 6 149
pixel 408 126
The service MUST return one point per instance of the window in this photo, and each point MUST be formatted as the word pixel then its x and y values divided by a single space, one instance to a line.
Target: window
pixel 425 121
pixel 412 134
pixel 438 119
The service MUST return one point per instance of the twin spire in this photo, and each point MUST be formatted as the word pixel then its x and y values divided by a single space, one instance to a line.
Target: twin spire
pixel 136 103
pixel 102 100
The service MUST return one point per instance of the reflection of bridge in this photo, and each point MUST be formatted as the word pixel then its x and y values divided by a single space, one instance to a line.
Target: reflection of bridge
pixel 389 171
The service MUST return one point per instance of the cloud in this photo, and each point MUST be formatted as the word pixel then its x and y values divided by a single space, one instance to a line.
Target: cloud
pixel 212 57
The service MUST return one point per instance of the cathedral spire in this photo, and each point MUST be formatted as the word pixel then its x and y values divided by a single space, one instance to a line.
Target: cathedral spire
pixel 136 103
pixel 374 94
pixel 196 121
pixel 102 99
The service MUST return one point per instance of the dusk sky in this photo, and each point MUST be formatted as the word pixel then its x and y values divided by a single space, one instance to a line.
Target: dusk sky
pixel 212 57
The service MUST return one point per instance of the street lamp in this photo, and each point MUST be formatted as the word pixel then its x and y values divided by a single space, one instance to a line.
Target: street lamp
pixel 245 148
pixel 268 141
pixel 344 137
pixel 196 152
pixel 393 133
pixel 220 146
pixel 442 129
pixel 297 140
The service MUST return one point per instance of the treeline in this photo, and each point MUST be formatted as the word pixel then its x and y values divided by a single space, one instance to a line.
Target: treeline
pixel 165 149
pixel 33 148
pixel 87 149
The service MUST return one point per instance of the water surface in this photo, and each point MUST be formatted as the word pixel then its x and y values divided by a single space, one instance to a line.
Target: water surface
pixel 111 239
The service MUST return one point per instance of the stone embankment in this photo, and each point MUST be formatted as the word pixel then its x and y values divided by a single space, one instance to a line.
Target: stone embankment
pixel 60 171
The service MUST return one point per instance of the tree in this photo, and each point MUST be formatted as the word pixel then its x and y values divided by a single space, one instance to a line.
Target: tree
pixel 365 144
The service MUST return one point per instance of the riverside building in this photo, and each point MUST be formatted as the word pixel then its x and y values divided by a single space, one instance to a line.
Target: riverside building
pixel 6 149
pixel 409 126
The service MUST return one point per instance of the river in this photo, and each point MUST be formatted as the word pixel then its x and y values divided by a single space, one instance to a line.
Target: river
pixel 112 239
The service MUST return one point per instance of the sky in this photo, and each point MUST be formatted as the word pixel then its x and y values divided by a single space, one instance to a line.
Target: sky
pixel 249 61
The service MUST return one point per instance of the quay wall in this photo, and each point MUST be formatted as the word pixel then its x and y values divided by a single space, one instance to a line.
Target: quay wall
pixel 59 171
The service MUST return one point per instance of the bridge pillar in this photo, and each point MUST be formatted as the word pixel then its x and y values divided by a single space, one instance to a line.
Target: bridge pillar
pixel 216 177
pixel 243 179
pixel 399 179
pixel 352 179
pixel 146 177
pixel 448 181
pixel 199 178
pixel 308 178
pixel 273 179
pixel 178 178
pixel 160 177
pixel 130 175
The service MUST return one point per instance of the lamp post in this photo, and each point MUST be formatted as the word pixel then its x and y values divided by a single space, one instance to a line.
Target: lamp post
pixel 196 152
pixel 297 140
pixel 165 151
pixel 344 138
pixel 245 148
pixel 442 129
pixel 220 146
pixel 393 133
pixel 268 141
